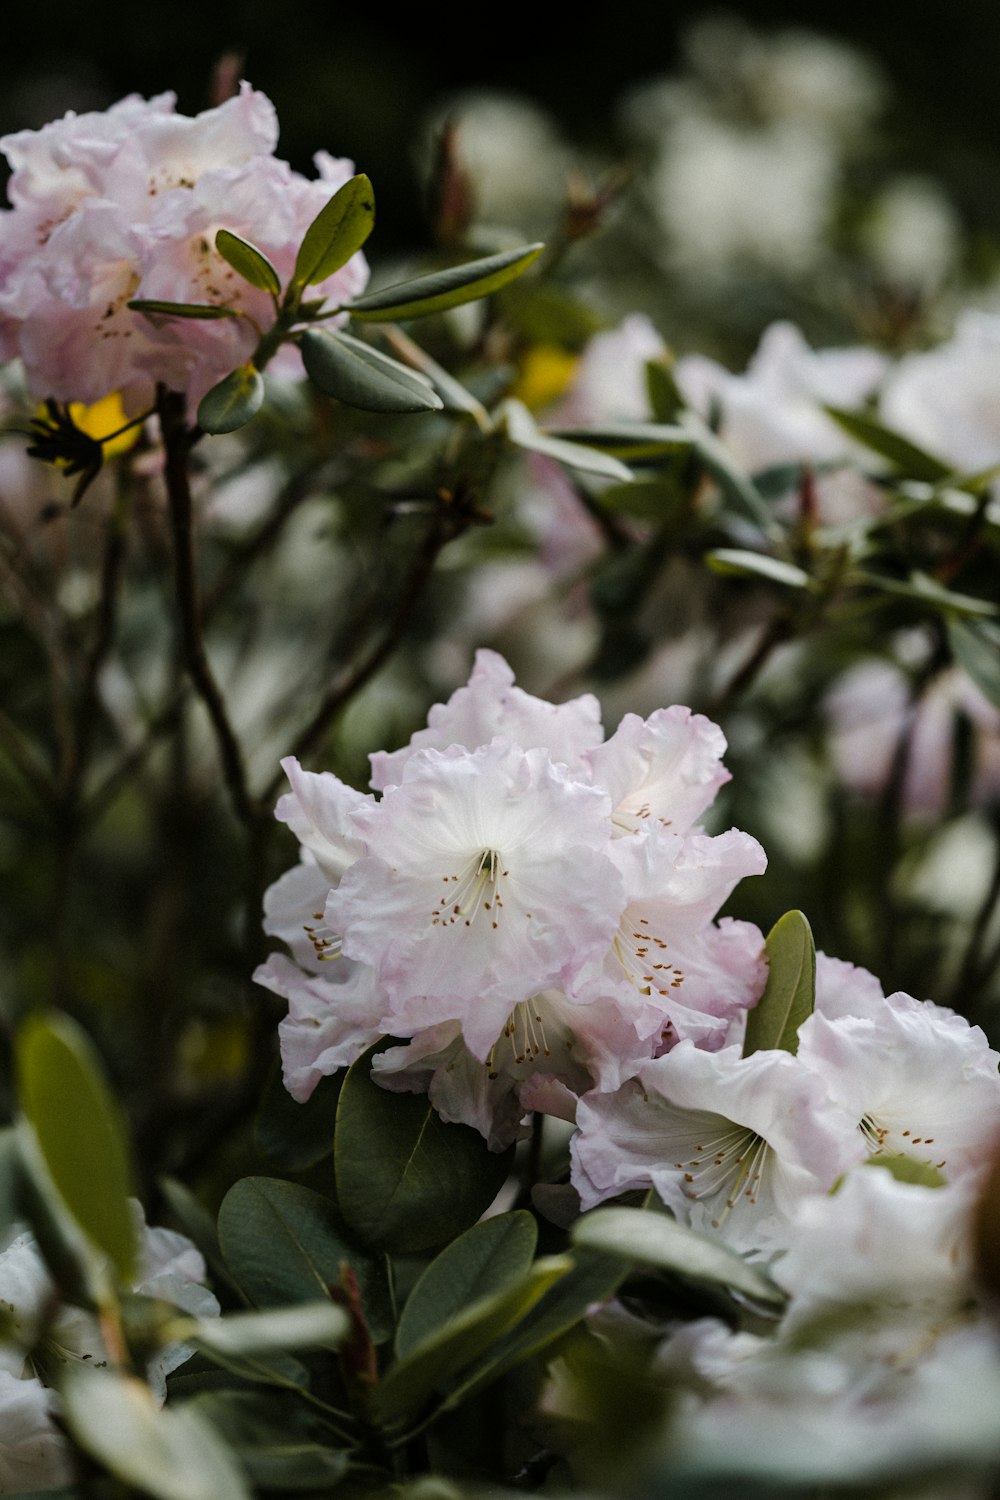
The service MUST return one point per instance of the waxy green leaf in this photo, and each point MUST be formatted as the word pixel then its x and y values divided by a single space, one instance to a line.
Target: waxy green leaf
pixel 469 1333
pixel 310 1325
pixel 280 1445
pixel 358 375
pixel 251 263
pixel 790 993
pixel 911 460
pixel 337 232
pixel 232 402
pixel 171 1453
pixel 79 1131
pixel 406 1180
pixel 730 478
pixel 284 1243
pixel 652 1239
pixel 524 432
pixel 976 648
pixel 746 564
pixel 482 1261
pixel 441 290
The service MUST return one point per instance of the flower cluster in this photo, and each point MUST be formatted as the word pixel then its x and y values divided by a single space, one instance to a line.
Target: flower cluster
pixel 529 906
pixel 126 204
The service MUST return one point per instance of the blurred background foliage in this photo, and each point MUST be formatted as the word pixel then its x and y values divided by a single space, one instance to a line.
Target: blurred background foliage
pixel 838 168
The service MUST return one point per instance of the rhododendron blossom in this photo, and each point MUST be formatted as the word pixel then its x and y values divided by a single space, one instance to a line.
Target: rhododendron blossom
pixel 525 907
pixel 126 204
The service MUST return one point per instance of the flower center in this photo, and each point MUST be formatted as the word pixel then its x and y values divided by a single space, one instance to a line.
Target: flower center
pixel 642 956
pixel 729 1168
pixel 524 1030
pixel 475 889
pixel 876 1138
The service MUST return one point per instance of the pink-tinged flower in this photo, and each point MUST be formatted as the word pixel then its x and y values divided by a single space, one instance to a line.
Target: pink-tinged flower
pixel 948 399
pixel 490 705
pixel 878 1241
pixel 332 1018
pixel 916 1079
pixel 486 879
pixel 668 970
pixel 126 204
pixel 731 1144
pixel 844 989
pixel 319 811
pixel 665 769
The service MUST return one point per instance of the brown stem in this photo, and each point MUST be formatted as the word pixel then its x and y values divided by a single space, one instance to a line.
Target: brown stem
pixel 776 632
pixel 178 440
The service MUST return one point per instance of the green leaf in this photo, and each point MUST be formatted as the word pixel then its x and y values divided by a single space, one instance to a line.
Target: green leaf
pixel 206 311
pixel 632 442
pixel 665 400
pixel 337 232
pixel 358 375
pixel 908 1169
pixel 79 1131
pixel 523 431
pixel 232 402
pixel 444 289
pixel 406 1181
pixel 593 1279
pixel 730 478
pixel 745 564
pixel 251 263
pixel 280 1449
pixel 924 590
pixel 483 1260
pixel 196 1222
pixel 468 1334
pixel 171 1453
pixel 652 1239
pixel 976 647
pixel 284 1243
pixel 81 1270
pixel 311 1325
pixel 790 993
pixel 654 500
pixel 911 460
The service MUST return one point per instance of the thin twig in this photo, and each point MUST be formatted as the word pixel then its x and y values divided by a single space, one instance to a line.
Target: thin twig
pixel 178 440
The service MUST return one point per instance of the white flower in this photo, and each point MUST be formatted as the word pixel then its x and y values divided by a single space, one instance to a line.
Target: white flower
pixel 126 204
pixel 486 879
pixel 948 398
pixel 731 1144
pixel 916 1078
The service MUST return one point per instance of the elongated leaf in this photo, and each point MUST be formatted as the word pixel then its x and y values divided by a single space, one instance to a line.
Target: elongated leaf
pixel 311 1325
pixel 406 1181
pixel 361 376
pixel 482 1261
pixel 730 478
pixel 630 441
pixel 284 1243
pixel 912 460
pixel 251 263
pixel 443 289
pixel 337 232
pixel 278 1448
pixel 790 993
pixel 523 431
pixel 651 1239
pixel 925 590
pixel 206 311
pixel 467 1335
pixel 171 1453
pixel 592 1280
pixel 976 647
pixel 757 565
pixel 82 1270
pixel 232 402
pixel 79 1131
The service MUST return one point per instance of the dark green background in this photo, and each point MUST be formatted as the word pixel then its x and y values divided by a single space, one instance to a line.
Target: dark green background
pixel 357 80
